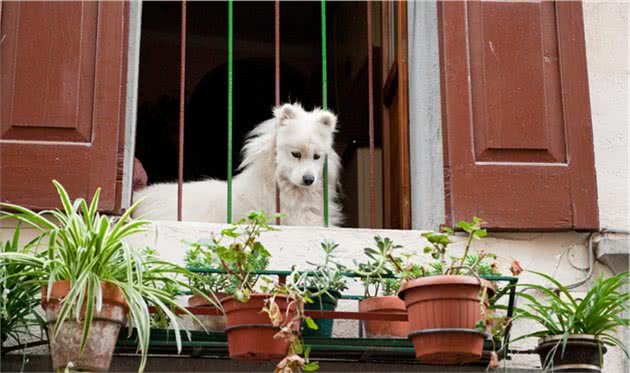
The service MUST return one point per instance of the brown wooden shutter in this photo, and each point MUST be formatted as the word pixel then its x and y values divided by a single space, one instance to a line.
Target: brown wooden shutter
pixel 63 70
pixel 516 115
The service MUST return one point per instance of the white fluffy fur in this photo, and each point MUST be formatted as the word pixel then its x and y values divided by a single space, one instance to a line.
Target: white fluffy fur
pixel 267 157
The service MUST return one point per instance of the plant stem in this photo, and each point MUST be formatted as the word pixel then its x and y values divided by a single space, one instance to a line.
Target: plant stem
pixel 468 244
pixel 6 350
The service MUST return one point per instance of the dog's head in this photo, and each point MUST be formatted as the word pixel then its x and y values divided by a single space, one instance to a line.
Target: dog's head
pixel 303 140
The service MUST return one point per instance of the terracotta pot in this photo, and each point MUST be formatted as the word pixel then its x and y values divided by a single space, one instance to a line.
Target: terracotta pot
pixel 583 353
pixel 443 312
pixel 64 349
pixel 249 331
pixel 213 323
pixel 382 328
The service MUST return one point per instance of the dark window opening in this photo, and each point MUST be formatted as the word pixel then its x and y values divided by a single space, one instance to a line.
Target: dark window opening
pixel 205 143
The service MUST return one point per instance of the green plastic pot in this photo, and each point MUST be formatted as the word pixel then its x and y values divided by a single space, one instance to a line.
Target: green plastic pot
pixel 325 326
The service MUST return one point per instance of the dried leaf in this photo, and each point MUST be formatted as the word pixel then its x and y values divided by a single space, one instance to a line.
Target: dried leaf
pixel 274 314
pixel 494 360
pixel 516 268
pixel 290 364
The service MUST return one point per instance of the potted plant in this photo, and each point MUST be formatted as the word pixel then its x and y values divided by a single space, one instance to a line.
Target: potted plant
pixel 19 301
pixel 380 289
pixel 211 284
pixel 447 301
pixel 301 289
pixel 250 331
pixel 574 332
pixel 92 282
pixel 297 295
pixel 327 282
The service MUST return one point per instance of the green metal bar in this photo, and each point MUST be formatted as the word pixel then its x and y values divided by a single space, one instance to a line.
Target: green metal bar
pixel 325 104
pixel 230 108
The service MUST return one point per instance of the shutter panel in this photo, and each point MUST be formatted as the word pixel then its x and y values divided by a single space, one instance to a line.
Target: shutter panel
pixel 63 70
pixel 516 115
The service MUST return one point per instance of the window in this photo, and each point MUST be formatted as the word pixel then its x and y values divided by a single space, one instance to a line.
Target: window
pixel 517 137
pixel 205 153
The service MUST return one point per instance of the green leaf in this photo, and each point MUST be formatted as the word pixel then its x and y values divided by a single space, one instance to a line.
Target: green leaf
pixel 311 367
pixel 310 323
pixel 463 225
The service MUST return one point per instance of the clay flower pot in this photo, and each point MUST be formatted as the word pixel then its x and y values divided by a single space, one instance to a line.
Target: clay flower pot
pixel 212 323
pixel 383 328
pixel 583 353
pixel 249 331
pixel 65 348
pixel 443 312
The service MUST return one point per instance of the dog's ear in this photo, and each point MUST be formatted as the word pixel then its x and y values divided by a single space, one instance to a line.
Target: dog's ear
pixel 328 119
pixel 284 112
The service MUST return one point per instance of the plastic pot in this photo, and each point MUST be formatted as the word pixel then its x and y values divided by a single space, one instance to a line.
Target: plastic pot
pixel 101 341
pixel 212 323
pixel 443 312
pixel 249 331
pixel 583 353
pixel 325 326
pixel 383 328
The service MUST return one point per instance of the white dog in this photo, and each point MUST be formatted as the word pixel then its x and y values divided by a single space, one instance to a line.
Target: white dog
pixel 290 149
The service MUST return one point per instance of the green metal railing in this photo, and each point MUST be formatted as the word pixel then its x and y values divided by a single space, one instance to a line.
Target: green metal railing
pixel 361 349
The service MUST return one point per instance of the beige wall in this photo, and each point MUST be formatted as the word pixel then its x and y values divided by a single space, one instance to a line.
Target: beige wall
pixel 606 29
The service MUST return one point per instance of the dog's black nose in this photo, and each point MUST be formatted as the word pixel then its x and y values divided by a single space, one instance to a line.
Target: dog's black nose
pixel 308 179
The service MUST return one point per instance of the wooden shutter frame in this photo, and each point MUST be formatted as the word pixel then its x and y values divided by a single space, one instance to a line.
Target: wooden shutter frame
pixel 98 157
pixel 395 75
pixel 460 201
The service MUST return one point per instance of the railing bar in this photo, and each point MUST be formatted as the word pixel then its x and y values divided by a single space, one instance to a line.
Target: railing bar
pixel 344 315
pixel 182 98
pixel 349 315
pixel 371 115
pixel 277 85
pixel 324 103
pixel 512 280
pixel 230 109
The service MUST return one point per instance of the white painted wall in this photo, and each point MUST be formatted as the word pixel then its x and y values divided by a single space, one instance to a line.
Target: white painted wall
pixel 425 121
pixel 606 30
pixel 131 109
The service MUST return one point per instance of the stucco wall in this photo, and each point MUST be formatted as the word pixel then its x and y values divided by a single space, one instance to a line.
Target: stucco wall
pixel 425 129
pixel 606 29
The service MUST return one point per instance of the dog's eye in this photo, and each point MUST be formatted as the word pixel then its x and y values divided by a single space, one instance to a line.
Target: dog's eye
pixel 296 154
pixel 316 156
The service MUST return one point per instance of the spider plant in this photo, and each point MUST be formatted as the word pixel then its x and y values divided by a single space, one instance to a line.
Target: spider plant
pixel 87 248
pixel 19 301
pixel 599 313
